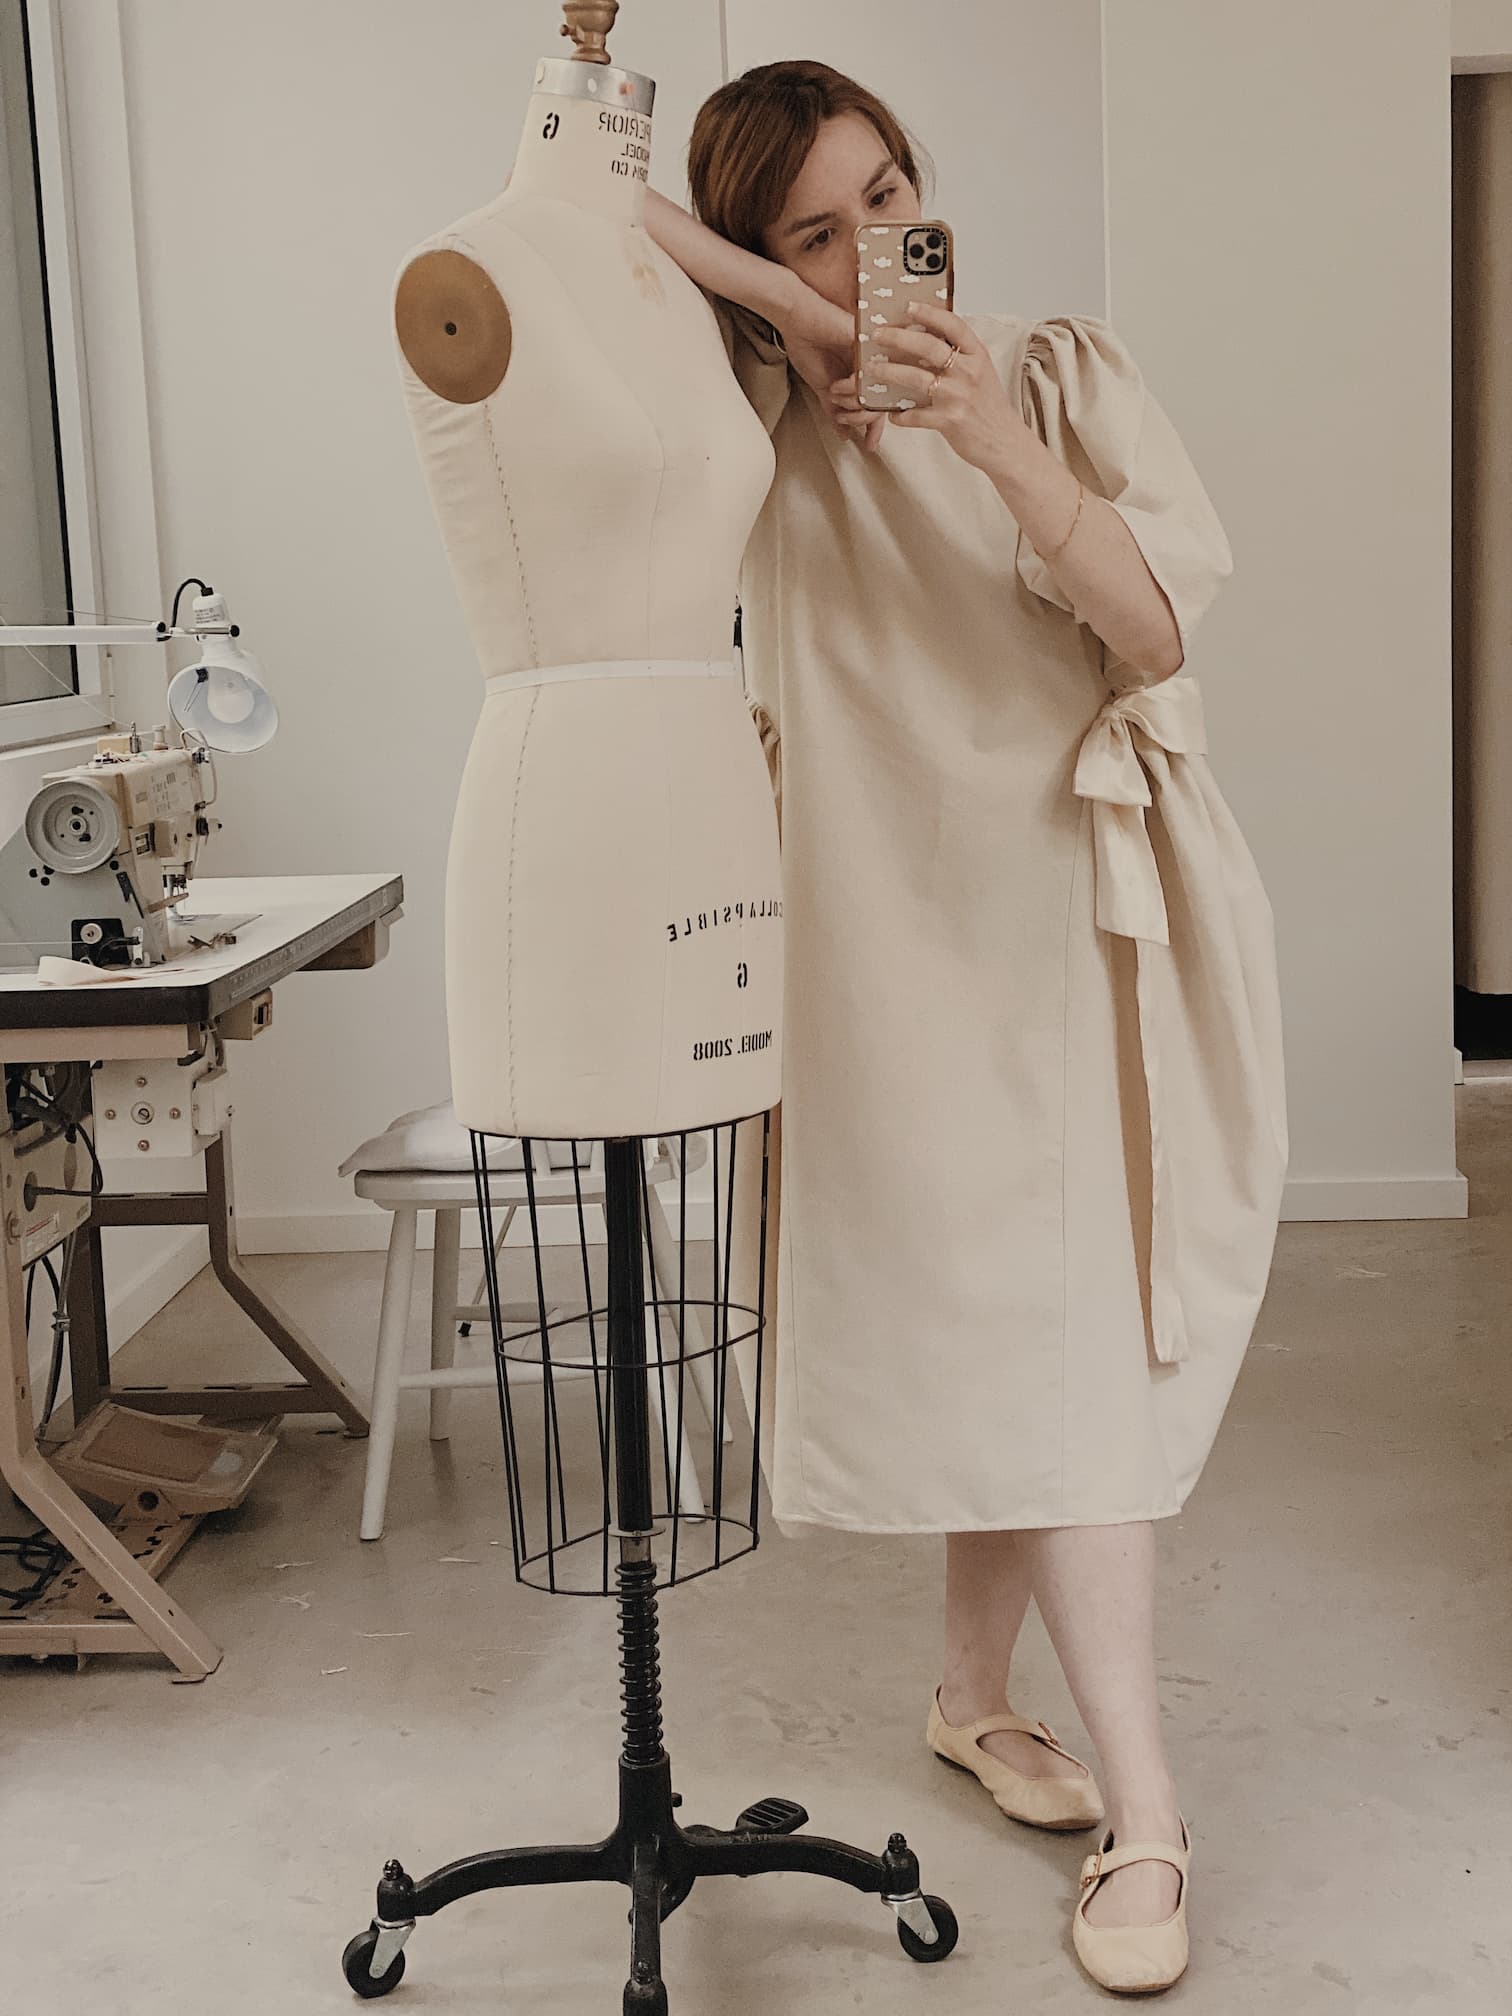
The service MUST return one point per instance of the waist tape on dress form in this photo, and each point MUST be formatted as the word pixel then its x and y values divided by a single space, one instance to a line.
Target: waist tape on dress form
pixel 612 668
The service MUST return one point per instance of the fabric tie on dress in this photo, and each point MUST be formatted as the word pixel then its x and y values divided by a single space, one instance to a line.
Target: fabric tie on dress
pixel 1109 771
pixel 1131 902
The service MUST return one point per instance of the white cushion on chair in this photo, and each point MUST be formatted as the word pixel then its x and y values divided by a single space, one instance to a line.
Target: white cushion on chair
pixel 431 1138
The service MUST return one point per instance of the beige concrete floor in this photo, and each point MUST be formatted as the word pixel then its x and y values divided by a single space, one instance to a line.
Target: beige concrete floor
pixel 1334 1644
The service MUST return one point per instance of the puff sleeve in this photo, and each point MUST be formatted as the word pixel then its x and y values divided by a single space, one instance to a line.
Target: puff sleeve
pixel 1082 393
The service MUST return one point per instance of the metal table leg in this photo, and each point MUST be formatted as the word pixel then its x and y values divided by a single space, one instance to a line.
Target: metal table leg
pixel 321 1390
pixel 152 1621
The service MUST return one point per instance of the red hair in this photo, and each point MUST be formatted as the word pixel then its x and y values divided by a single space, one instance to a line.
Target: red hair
pixel 752 137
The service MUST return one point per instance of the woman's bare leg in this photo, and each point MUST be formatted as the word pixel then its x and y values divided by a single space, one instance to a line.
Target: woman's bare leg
pixel 987 1588
pixel 1095 1587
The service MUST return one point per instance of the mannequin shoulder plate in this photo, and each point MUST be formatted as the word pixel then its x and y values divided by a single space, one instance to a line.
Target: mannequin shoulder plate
pixel 453 326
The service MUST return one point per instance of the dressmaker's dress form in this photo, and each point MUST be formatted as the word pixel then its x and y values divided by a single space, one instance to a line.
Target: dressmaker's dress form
pixel 614 936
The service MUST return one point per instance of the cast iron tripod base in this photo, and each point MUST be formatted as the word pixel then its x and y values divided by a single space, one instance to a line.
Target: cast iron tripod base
pixel 659 1862
pixel 656 1859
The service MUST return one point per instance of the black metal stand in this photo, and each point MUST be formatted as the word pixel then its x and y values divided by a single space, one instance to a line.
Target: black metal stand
pixel 656 1859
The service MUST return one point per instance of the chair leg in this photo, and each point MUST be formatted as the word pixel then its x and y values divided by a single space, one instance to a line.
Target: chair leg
pixel 393 1327
pixel 445 1266
pixel 664 1261
pixel 479 1303
pixel 661 1382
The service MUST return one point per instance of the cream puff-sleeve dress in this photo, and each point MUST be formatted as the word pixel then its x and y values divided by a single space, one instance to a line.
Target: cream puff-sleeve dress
pixel 1033 1131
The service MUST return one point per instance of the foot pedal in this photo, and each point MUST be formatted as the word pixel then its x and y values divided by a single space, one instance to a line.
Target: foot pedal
pixel 772 1816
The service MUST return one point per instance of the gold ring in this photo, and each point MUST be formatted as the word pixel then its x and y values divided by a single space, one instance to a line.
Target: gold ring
pixel 955 351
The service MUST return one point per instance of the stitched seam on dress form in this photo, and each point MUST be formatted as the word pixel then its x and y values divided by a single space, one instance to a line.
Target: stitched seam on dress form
pixel 661 1062
pixel 514 536
pixel 509 906
pixel 661 1066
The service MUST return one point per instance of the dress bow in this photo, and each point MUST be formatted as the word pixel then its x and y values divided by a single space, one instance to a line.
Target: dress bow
pixel 1111 772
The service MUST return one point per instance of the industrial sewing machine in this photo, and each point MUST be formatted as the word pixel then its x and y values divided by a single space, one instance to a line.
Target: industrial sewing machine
pixel 99 867
pixel 95 877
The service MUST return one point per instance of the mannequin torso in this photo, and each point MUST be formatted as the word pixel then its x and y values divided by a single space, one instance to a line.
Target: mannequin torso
pixel 595 470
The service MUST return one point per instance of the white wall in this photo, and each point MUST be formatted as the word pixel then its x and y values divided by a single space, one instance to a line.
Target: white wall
pixel 307 148
pixel 1276 248
pixel 1278 255
pixel 1481 34
pixel 1007 101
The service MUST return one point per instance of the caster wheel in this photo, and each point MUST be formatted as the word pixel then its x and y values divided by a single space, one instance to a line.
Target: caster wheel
pixel 354 1965
pixel 945 1924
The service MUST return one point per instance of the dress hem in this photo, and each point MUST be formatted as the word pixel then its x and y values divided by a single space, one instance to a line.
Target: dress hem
pixel 813 1519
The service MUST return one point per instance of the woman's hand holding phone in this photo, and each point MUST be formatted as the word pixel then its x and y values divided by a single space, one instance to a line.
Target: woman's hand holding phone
pixel 941 364
pixel 819 339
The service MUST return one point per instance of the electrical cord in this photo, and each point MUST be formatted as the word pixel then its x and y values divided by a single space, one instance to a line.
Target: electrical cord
pixel 59 1330
pixel 73 1130
pixel 35 1554
pixel 192 582
pixel 38 1554
pixel 59 1327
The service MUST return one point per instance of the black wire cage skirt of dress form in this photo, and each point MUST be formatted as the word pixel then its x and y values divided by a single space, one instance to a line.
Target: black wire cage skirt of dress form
pixel 695 1362
pixel 632 1458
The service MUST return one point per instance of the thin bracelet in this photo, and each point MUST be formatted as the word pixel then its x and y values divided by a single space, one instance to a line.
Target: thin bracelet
pixel 1081 498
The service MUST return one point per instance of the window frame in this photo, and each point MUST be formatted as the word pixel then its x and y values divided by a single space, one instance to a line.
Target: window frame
pixel 25 722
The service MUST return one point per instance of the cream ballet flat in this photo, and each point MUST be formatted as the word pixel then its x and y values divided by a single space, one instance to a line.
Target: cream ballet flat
pixel 1062 1804
pixel 1133 1959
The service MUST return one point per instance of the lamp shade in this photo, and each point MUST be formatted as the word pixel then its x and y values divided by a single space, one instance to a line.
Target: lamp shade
pixel 221 698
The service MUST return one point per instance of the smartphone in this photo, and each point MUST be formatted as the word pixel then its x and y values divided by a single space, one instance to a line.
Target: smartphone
pixel 896 264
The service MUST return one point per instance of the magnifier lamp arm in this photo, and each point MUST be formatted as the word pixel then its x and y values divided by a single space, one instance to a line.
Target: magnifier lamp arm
pixel 30 635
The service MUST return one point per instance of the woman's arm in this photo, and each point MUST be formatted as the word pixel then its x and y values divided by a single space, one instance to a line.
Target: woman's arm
pixel 1100 569
pixel 771 291
pixel 818 337
pixel 1085 543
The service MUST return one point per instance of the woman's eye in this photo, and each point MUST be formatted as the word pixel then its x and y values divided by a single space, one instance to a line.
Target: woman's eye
pixel 882 196
pixel 819 240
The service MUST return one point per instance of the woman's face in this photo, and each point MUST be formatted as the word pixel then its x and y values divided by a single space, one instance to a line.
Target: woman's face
pixel 848 179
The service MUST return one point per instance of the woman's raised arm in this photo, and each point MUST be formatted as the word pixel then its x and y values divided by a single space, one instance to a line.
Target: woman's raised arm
pixel 817 336
pixel 771 291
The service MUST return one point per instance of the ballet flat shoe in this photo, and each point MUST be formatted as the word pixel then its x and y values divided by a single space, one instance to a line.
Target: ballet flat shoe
pixel 1061 1804
pixel 1133 1959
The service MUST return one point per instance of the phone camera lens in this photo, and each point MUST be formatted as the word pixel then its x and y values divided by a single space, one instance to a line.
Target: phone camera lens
pixel 935 261
pixel 934 241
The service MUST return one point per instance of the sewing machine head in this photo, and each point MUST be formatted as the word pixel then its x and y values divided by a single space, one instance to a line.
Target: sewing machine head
pixel 106 848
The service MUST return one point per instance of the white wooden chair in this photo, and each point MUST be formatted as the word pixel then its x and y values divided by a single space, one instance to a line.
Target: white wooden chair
pixel 448 1194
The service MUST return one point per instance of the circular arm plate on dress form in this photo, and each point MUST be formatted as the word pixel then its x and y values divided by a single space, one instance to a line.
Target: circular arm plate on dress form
pixel 453 326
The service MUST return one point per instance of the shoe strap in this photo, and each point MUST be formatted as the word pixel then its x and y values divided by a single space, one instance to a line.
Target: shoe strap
pixel 1017 1725
pixel 1106 1860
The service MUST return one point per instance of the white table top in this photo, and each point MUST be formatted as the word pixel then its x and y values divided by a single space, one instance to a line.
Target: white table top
pixel 298 918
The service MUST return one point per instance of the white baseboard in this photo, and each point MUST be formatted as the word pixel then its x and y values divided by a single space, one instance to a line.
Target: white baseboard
pixel 366 1229
pixel 1307 1200
pixel 1310 1200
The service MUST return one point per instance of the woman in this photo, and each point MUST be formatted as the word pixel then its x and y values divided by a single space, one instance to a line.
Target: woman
pixel 1033 1126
